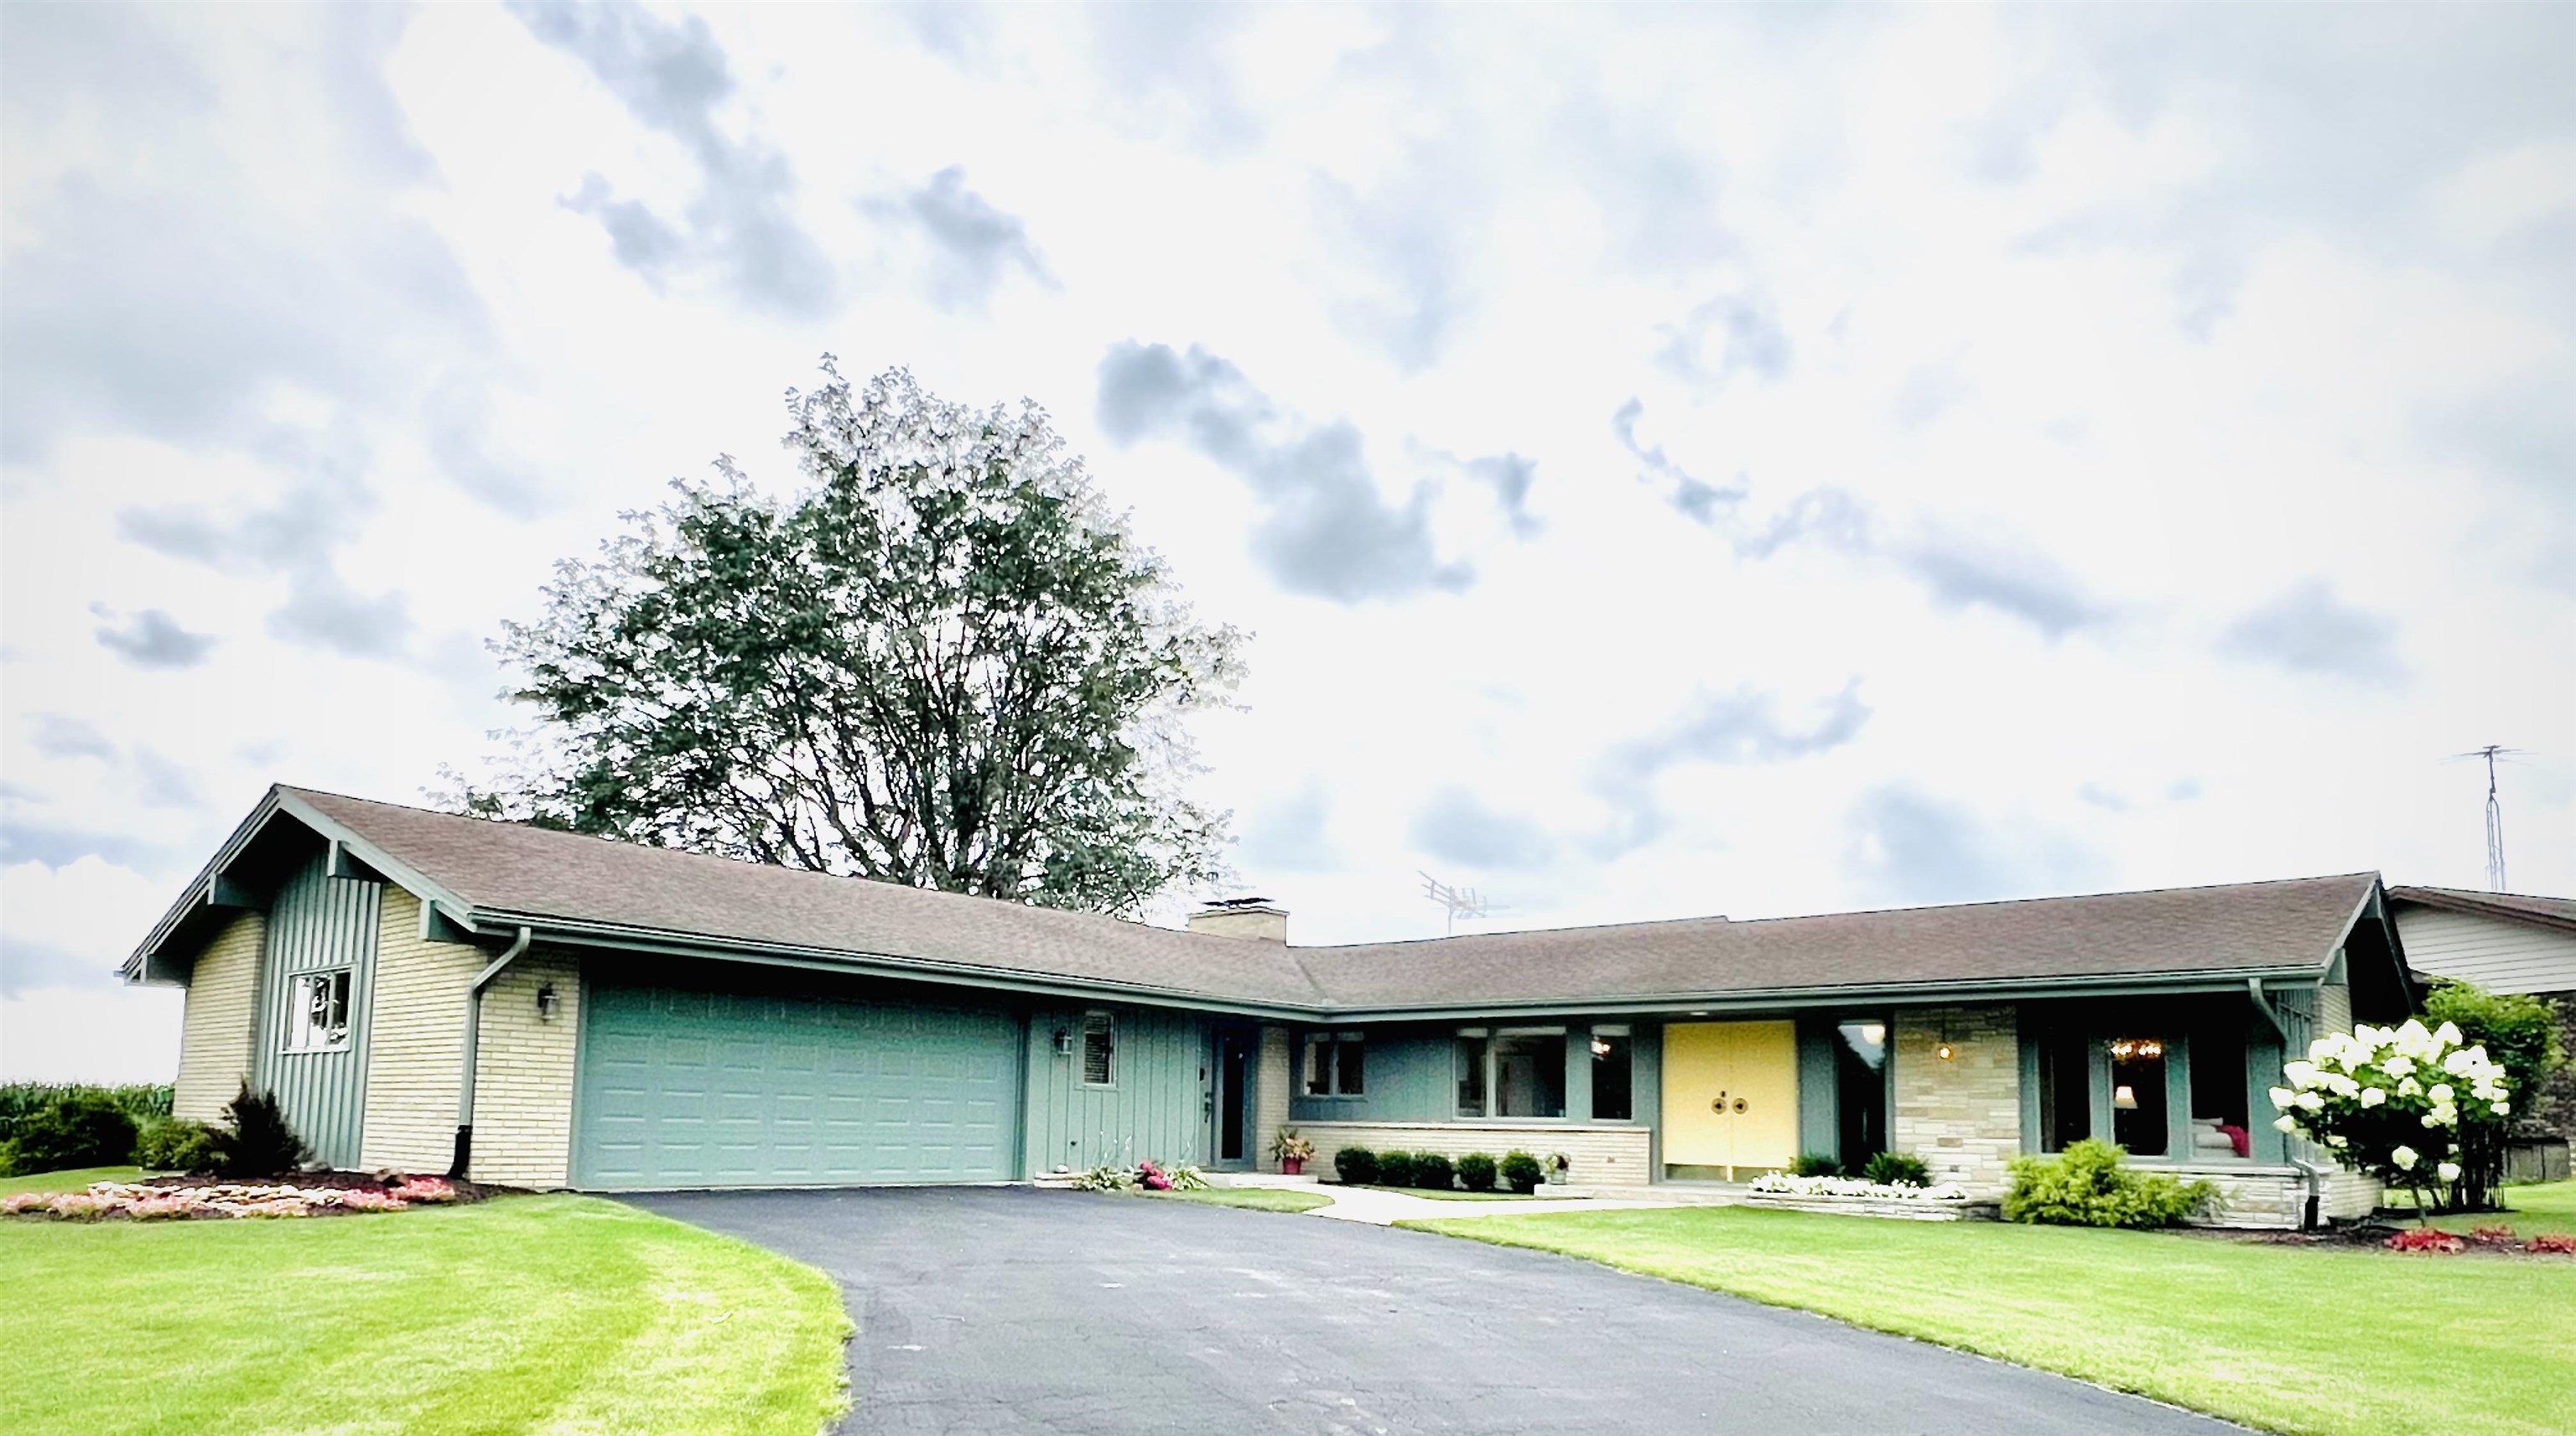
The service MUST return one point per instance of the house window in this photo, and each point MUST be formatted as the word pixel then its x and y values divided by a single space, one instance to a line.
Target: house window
pixel 1611 1068
pixel 1099 1049
pixel 1860 1089
pixel 1336 1064
pixel 1529 1072
pixel 2065 1091
pixel 2138 1095
pixel 1474 1056
pixel 2219 1095
pixel 317 1011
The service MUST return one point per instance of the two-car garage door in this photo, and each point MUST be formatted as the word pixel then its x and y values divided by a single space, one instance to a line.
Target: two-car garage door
pixel 683 1088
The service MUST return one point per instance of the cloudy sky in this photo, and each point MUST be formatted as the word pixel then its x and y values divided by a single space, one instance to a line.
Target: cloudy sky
pixel 1673 461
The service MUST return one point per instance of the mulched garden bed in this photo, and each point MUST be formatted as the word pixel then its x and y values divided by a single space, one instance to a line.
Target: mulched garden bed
pixel 296 1194
pixel 2498 1240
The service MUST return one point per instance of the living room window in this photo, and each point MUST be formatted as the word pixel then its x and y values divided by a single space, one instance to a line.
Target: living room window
pixel 1336 1064
pixel 1474 1062
pixel 1612 1068
pixel 1529 1072
pixel 317 1011
pixel 2138 1095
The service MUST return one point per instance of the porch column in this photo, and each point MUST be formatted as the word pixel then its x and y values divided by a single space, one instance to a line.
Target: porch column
pixel 1961 1115
pixel 1270 1088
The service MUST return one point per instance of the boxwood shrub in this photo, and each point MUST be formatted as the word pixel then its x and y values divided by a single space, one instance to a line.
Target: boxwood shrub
pixel 1431 1170
pixel 1476 1172
pixel 1355 1165
pixel 172 1144
pixel 2086 1186
pixel 1816 1164
pixel 1521 1172
pixel 1395 1169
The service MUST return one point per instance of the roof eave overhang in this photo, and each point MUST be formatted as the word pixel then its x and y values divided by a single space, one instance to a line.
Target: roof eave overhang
pixel 567 932
pixel 2131 984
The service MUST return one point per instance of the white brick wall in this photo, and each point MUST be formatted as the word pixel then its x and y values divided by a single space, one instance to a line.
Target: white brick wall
pixel 1961 1116
pixel 1270 1098
pixel 220 1027
pixel 524 1071
pixel 1603 1155
pixel 416 1045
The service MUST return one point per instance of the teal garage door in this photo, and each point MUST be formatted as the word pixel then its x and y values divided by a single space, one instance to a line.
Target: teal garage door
pixel 682 1088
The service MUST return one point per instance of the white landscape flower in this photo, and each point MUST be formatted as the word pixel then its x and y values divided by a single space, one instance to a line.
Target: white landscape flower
pixel 2372 1096
pixel 2283 1096
pixel 2404 1157
pixel 2501 1108
pixel 2448 1171
pixel 2337 1140
pixel 2310 1101
pixel 2409 1087
pixel 2302 1073
pixel 2448 1034
pixel 2398 1066
pixel 2439 1091
pixel 2285 1123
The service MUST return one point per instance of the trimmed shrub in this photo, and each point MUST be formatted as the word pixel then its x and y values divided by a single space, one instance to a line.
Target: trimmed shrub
pixel 1356 1166
pixel 21 1100
pixel 2086 1186
pixel 169 1144
pixel 1432 1171
pixel 1816 1164
pixel 1476 1172
pixel 85 1129
pixel 1395 1169
pixel 262 1143
pixel 1521 1172
pixel 1898 1169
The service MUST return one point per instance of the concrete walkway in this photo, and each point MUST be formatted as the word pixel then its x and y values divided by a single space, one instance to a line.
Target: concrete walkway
pixel 1381 1209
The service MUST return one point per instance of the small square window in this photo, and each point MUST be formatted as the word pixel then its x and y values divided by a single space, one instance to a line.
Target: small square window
pixel 1336 1064
pixel 1099 1049
pixel 317 1011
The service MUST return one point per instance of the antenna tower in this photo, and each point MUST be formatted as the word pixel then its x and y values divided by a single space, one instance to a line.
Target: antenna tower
pixel 1458 902
pixel 2495 812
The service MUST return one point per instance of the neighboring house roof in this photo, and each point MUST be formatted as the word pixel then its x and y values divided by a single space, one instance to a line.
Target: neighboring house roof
pixel 2516 907
pixel 495 877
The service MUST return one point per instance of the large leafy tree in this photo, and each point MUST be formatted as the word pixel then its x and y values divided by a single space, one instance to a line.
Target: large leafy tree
pixel 943 662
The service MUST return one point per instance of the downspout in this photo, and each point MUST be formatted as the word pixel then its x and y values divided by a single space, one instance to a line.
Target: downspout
pixel 473 1038
pixel 2312 1213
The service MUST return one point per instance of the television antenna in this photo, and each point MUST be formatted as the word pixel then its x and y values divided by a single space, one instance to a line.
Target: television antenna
pixel 2493 753
pixel 1459 902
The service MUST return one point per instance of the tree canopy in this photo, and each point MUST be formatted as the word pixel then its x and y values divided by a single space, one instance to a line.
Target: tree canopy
pixel 942 662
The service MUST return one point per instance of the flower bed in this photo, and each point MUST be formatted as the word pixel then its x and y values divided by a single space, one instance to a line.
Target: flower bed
pixel 1781 1184
pixel 169 1198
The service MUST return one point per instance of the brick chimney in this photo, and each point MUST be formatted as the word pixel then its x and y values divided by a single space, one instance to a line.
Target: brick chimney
pixel 1252 917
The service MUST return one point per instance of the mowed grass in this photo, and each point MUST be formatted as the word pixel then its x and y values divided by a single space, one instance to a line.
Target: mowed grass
pixel 1260 1199
pixel 2532 1211
pixel 77 1180
pixel 550 1313
pixel 2354 1342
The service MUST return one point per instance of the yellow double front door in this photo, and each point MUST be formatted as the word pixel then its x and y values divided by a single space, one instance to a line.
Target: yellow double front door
pixel 1731 1095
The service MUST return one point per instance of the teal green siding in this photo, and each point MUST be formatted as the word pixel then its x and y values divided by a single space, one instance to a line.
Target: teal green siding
pixel 686 1087
pixel 1411 1077
pixel 1155 1108
pixel 319 923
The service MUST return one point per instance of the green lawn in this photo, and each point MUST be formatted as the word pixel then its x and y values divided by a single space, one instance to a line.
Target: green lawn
pixel 2294 1338
pixel 2550 1208
pixel 72 1181
pixel 525 1313
pixel 1262 1199
pixel 1454 1195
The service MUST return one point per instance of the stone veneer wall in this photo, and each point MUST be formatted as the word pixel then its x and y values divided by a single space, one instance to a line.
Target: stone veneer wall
pixel 1270 1081
pixel 1963 1116
pixel 416 1041
pixel 1601 1154
pixel 524 1074
pixel 219 1028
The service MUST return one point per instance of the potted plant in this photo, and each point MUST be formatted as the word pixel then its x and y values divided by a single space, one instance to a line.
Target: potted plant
pixel 1292 1150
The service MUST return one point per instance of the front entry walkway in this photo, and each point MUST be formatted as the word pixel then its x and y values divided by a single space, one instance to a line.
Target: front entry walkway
pixel 1010 1310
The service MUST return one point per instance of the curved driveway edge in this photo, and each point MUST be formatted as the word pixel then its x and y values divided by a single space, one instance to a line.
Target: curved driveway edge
pixel 1007 1310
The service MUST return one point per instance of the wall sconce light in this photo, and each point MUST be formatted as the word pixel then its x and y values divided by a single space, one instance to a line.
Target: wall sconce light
pixel 2124 1099
pixel 1600 1047
pixel 1943 1049
pixel 1063 1042
pixel 546 1003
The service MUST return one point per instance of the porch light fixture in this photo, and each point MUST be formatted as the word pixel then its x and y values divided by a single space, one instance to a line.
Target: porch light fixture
pixel 546 1003
pixel 1063 1042
pixel 1600 1047
pixel 1943 1049
pixel 2124 1098
pixel 1873 1033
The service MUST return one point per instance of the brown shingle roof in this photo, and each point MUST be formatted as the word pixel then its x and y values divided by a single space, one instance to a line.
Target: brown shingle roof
pixel 507 868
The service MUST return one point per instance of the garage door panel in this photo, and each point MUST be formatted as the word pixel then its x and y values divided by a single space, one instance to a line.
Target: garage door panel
pixel 687 1088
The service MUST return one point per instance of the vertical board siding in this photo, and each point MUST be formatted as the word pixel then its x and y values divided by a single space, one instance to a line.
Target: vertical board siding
pixel 1157 1108
pixel 219 1035
pixel 416 1042
pixel 318 923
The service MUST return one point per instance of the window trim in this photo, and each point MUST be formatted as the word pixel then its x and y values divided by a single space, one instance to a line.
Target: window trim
pixel 299 1009
pixel 1332 1039
pixel 1101 1023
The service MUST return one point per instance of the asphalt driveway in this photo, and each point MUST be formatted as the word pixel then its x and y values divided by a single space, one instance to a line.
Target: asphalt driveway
pixel 997 1310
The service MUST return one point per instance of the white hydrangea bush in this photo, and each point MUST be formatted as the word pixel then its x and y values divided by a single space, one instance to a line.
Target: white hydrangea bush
pixel 2390 1101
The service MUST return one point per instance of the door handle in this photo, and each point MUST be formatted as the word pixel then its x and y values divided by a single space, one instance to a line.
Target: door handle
pixel 1741 1104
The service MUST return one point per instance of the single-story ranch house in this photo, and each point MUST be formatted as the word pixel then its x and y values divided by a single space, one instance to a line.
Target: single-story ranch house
pixel 440 993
